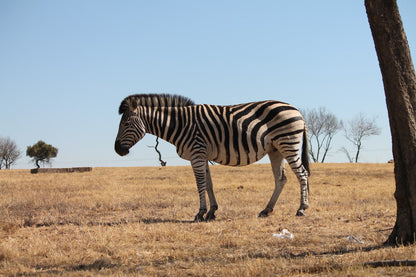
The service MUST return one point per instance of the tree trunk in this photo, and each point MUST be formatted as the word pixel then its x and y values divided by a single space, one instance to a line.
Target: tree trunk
pixel 400 88
pixel 37 163
pixel 358 152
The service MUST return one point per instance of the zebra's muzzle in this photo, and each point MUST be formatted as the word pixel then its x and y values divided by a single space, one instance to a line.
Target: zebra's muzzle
pixel 121 149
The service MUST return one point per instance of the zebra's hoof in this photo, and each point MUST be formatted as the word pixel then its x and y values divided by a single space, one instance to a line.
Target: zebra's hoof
pixel 266 212
pixel 210 217
pixel 300 213
pixel 199 218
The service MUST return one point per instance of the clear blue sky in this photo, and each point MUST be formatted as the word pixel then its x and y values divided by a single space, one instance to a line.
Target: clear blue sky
pixel 65 66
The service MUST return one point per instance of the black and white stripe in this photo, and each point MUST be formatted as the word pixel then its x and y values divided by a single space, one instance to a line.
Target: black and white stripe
pixel 233 135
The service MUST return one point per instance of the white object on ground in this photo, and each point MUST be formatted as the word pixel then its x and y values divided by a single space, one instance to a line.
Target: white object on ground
pixel 354 239
pixel 285 234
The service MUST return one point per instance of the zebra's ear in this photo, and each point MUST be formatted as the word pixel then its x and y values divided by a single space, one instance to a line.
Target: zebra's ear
pixel 124 106
pixel 133 103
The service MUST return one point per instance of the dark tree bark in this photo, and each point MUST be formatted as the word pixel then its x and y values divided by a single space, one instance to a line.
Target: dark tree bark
pixel 400 88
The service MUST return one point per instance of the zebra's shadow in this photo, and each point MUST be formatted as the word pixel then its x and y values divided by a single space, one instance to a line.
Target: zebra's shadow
pixel 151 220
pixel 165 220
pixel 148 220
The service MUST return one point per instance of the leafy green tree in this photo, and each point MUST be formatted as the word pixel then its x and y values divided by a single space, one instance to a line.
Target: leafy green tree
pixel 41 152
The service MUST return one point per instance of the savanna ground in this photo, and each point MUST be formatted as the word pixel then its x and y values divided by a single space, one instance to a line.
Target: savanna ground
pixel 136 221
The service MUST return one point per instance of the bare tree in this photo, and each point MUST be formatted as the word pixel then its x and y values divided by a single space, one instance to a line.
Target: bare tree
pixel 358 129
pixel 9 153
pixel 322 127
pixel 347 153
pixel 399 81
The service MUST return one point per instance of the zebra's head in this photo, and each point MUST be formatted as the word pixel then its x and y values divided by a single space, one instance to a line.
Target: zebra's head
pixel 131 128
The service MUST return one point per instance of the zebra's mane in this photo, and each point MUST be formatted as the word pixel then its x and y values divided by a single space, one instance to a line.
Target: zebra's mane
pixel 156 100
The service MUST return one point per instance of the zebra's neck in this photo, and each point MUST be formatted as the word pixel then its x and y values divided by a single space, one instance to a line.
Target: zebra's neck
pixel 163 121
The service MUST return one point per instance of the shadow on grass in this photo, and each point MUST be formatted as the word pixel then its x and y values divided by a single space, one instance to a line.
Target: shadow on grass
pixel 103 223
pixel 316 269
pixel 334 252
pixel 163 220
pixel 100 264
pixel 149 220
pixel 343 251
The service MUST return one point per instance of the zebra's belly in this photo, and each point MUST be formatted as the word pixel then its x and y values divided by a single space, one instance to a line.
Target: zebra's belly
pixel 231 156
pixel 237 158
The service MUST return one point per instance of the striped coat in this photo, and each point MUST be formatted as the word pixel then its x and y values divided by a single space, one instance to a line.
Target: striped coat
pixel 233 135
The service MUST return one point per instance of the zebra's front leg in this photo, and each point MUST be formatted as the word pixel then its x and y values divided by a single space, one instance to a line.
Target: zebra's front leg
pixel 199 168
pixel 213 206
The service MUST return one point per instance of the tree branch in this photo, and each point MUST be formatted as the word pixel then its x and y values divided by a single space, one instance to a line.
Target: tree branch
pixel 162 162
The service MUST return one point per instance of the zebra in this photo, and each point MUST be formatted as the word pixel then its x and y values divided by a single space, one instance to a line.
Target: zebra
pixel 234 135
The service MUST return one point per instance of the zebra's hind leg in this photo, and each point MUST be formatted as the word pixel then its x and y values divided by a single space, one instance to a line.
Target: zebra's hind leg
pixel 304 204
pixel 212 201
pixel 302 175
pixel 278 167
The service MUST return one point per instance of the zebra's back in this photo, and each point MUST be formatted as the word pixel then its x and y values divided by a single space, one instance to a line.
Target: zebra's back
pixel 242 134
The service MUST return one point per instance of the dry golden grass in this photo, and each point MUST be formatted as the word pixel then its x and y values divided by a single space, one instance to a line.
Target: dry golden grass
pixel 135 221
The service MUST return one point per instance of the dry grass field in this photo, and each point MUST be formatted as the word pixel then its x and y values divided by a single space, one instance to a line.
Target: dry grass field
pixel 136 222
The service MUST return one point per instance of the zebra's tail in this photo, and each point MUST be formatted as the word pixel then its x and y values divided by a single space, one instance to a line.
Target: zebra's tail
pixel 305 151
